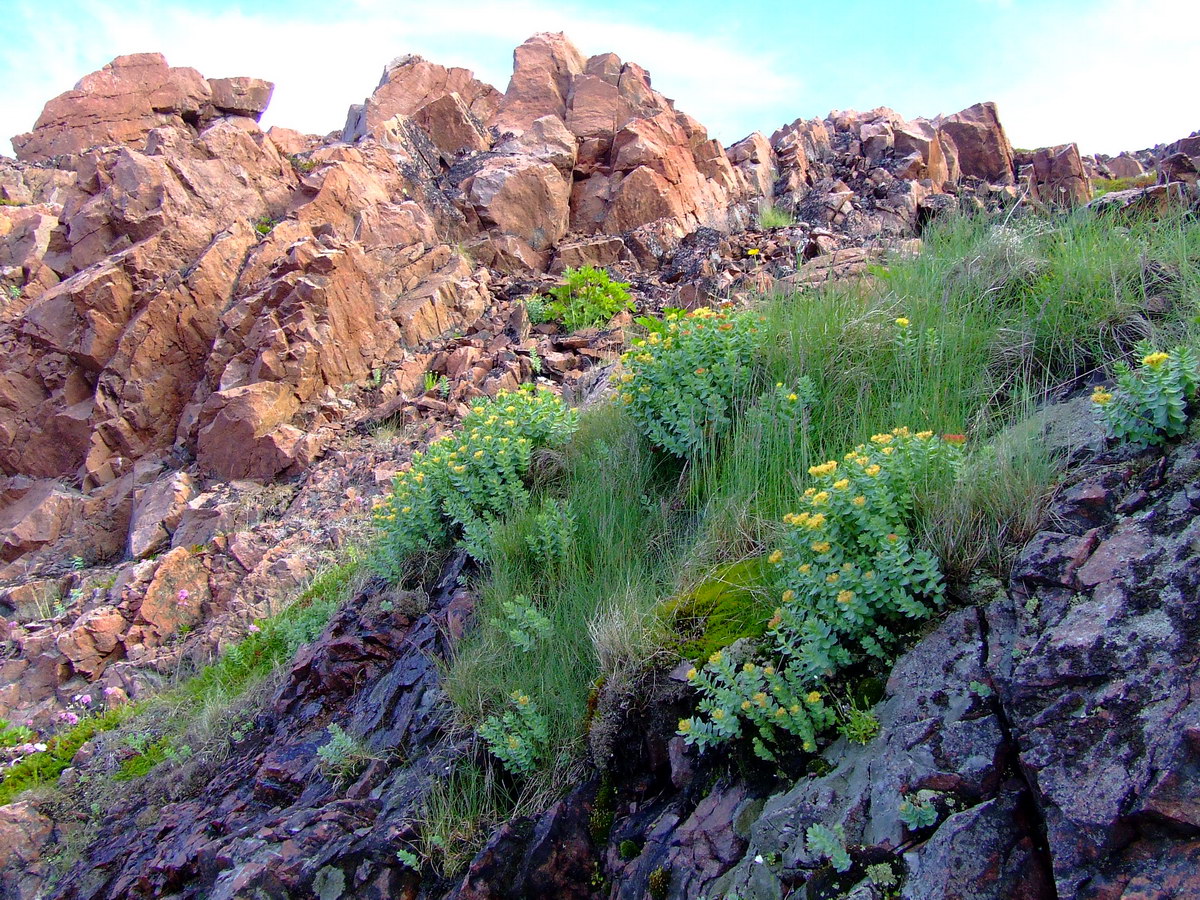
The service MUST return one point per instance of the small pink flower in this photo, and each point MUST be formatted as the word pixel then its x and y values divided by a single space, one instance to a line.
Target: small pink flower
pixel 110 690
pixel 69 717
pixel 86 699
pixel 254 629
pixel 183 596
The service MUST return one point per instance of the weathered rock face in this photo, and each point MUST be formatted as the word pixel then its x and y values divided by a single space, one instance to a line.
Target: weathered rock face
pixel 131 96
pixel 978 146
pixel 1057 177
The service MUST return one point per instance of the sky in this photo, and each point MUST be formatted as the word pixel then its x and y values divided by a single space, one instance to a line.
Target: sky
pixel 1108 74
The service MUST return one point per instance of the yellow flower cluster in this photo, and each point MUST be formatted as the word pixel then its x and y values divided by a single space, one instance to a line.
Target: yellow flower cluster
pixel 1155 360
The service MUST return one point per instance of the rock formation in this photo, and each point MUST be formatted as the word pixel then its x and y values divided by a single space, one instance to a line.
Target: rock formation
pixel 204 321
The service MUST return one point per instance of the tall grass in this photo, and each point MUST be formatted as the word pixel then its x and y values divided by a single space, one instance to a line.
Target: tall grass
pixel 999 317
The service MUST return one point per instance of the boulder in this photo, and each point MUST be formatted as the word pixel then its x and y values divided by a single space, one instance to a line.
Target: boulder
pixel 410 83
pixel 522 196
pixel 176 595
pixel 119 104
pixel 451 126
pixel 241 96
pixel 45 512
pixel 94 640
pixel 980 148
pixel 24 835
pixel 1124 166
pixel 245 431
pixel 543 67
pixel 157 513
pixel 1058 177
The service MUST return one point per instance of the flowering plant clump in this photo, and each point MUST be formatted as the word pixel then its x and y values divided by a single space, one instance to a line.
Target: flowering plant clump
pixel 681 383
pixel 847 564
pixel 587 297
pixel 763 697
pixel 519 738
pixel 468 479
pixel 1149 405
pixel 849 573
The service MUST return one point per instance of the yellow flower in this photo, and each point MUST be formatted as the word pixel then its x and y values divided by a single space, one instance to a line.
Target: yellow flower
pixel 892 538
pixel 522 699
pixel 655 337
pixel 860 500
pixel 820 547
pixel 814 697
pixel 419 477
pixel 815 522
pixel 459 469
pixel 406 510
pixel 794 709
pixel 808 492
pixel 753 251
pixel 760 699
pixel 827 468
pixel 749 667
pixel 845 596
pixel 887 451
pixel 788 596
pixel 768 670
pixel 902 322
pixel 804 569
pixel 872 470
pixel 715 659
pixel 924 435
pixel 685 725
pixel 775 558
pixel 719 714
pixel 881 439
pixel 513 742
pixel 1102 397
pixel 780 712
pixel 832 578
pixel 1154 360
pixel 793 397
pixel 691 675
pixel 809 746
pixel 478 454
pixel 703 312
pixel 841 484
pixel 901 431
pixel 820 497
pixel 745 705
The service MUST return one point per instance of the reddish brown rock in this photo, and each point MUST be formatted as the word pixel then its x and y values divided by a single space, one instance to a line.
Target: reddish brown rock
pixel 1124 166
pixel 157 512
pixel 979 145
pixel 410 83
pixel 25 834
pixel 245 431
pixel 522 196
pixel 543 67
pixel 451 126
pixel 241 96
pixel 1058 177
pixel 119 104
pixel 44 513
pixel 93 641
pixel 176 595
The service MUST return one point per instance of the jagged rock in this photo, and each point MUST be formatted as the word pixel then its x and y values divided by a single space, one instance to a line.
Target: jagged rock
pixel 24 835
pixel 241 96
pixel 1124 166
pixel 410 83
pixel 119 104
pixel 94 640
pixel 245 431
pixel 157 512
pixel 1059 178
pixel 979 146
pixel 176 595
pixel 524 197
pixel 540 83
pixel 1178 167
pixel 44 513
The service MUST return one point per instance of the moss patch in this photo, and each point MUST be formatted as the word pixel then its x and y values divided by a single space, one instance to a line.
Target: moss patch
pixel 736 602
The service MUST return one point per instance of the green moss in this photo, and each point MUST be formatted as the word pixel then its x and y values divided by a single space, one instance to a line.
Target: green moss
pixel 1102 186
pixel 604 812
pixel 736 602
pixel 629 849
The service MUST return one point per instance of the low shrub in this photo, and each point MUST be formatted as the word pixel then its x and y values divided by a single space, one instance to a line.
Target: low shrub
pixel 850 575
pixel 588 297
pixel 1150 403
pixel 519 737
pixel 682 383
pixel 467 481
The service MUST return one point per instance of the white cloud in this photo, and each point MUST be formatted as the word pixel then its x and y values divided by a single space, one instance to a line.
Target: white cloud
pixel 1121 78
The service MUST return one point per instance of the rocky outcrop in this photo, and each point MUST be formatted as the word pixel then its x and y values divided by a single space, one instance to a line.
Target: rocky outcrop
pixel 129 98
pixel 1056 176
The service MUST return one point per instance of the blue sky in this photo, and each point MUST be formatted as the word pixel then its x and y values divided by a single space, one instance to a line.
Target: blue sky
pixel 1109 74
